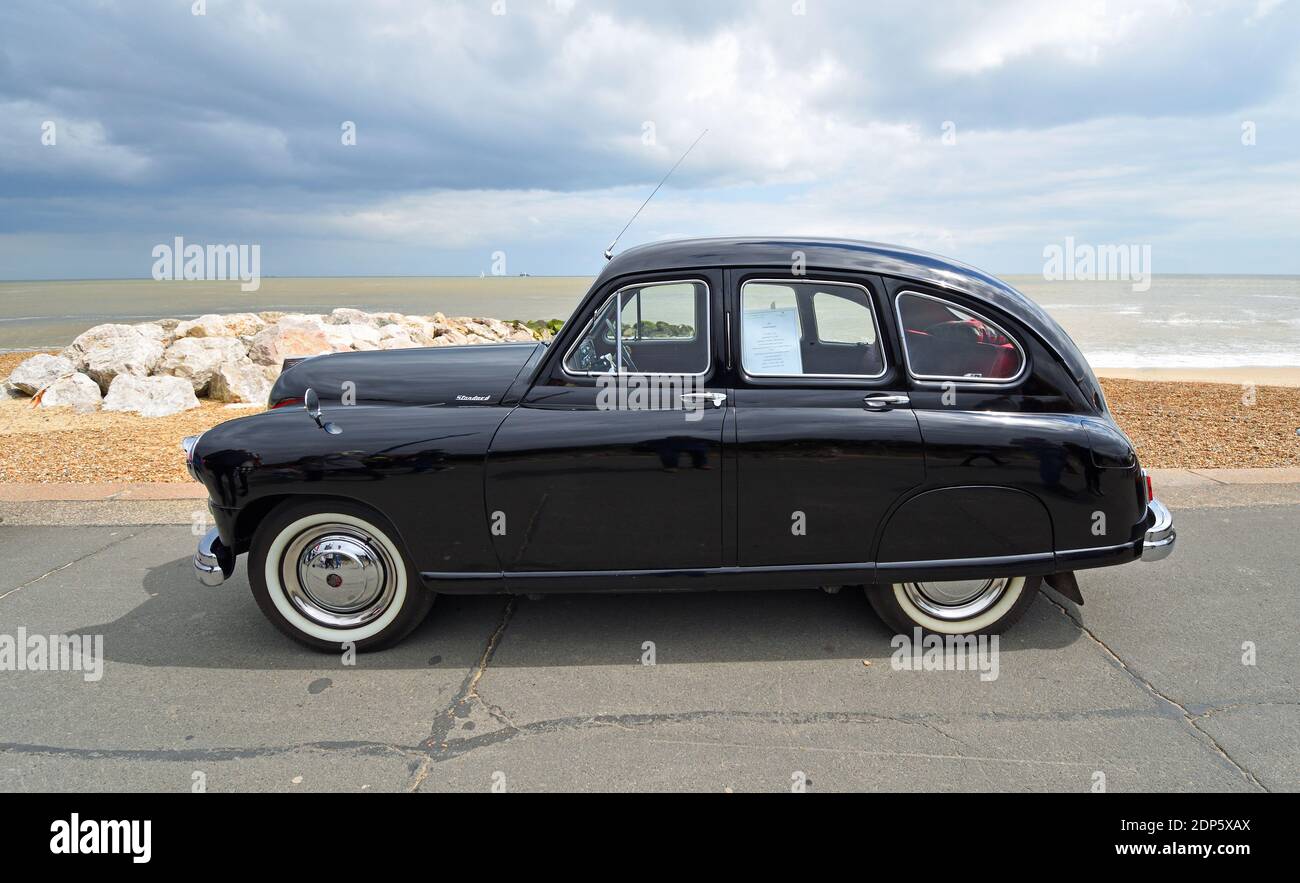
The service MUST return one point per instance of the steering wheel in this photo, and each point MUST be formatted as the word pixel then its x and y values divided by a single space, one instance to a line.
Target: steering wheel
pixel 629 366
pixel 957 330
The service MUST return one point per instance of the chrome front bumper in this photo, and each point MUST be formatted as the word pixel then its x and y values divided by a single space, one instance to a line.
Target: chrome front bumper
pixel 207 564
pixel 1159 541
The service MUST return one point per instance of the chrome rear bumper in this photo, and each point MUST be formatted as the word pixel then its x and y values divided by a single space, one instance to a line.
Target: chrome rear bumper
pixel 1160 537
pixel 207 560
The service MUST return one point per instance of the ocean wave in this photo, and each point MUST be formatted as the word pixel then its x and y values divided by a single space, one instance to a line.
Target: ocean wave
pixel 1179 321
pixel 1126 308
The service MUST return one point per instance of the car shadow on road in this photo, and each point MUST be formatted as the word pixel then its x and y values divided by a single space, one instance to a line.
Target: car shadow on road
pixel 182 624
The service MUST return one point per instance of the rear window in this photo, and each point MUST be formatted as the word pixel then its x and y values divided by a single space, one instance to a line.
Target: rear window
pixel 943 341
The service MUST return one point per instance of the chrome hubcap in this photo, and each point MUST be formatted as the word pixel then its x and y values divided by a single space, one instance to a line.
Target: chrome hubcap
pixel 956 599
pixel 338 576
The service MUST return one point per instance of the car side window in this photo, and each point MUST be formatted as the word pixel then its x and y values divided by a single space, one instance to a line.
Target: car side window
pixel 809 329
pixel 658 312
pixel 942 341
pixel 842 319
pixel 655 328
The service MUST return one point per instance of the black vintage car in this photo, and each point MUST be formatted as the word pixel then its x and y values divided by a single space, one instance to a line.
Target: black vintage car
pixel 718 414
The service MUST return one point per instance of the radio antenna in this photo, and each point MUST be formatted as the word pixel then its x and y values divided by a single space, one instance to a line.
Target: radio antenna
pixel 609 252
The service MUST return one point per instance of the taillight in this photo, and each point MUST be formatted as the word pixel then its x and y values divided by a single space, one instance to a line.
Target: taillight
pixel 284 403
pixel 1146 479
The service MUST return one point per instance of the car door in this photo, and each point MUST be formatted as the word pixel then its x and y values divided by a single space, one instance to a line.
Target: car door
pixel 826 441
pixel 612 461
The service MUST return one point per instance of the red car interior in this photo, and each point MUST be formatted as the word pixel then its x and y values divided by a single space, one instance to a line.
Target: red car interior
pixel 944 342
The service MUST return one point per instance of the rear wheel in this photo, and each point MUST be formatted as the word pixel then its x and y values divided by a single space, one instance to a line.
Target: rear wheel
pixel 954 607
pixel 330 572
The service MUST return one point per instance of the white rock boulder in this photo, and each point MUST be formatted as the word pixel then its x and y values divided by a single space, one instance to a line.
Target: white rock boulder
pixel 366 337
pixel 290 337
pixel 167 325
pixel 396 337
pixel 230 325
pixel 420 330
pixel 197 358
pixel 159 396
pixel 106 351
pixel 349 316
pixel 346 338
pixel 496 328
pixel 209 325
pixel 34 374
pixel 156 331
pixel 240 381
pixel 476 332
pixel 76 391
pixel 339 338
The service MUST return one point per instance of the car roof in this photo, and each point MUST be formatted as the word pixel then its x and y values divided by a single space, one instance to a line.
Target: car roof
pixel 852 256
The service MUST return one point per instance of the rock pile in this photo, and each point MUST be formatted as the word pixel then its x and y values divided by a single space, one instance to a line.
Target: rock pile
pixel 159 368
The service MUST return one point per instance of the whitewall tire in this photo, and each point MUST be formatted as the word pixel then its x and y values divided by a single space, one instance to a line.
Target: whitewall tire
pixel 330 572
pixel 957 607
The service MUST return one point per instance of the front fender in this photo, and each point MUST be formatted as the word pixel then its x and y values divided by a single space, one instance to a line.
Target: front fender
pixel 419 466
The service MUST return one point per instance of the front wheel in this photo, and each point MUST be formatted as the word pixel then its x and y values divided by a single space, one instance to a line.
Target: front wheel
pixel 330 572
pixel 954 607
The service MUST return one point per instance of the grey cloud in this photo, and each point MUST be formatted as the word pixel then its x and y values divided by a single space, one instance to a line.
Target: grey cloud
pixel 230 122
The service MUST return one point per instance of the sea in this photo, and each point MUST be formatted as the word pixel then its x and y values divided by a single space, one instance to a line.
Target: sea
pixel 1179 322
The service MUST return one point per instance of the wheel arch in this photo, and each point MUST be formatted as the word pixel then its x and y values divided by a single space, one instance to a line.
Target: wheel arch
pixel 975 521
pixel 249 516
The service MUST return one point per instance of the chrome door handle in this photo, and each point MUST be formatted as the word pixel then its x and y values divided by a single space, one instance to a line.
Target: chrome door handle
pixel 879 401
pixel 715 398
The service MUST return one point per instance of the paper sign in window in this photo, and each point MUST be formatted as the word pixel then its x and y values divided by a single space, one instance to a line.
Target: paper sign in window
pixel 771 342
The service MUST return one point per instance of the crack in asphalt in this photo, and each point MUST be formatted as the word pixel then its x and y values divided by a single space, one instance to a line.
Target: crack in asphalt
pixel 461 705
pixel 1211 710
pixel 446 749
pixel 76 560
pixel 867 752
pixel 630 722
pixel 1151 688
pixel 421 773
pixel 456 748
pixel 453 748
pixel 187 755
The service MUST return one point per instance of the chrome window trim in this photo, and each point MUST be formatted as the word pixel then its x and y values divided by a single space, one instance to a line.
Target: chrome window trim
pixel 941 378
pixel 707 336
pixel 875 319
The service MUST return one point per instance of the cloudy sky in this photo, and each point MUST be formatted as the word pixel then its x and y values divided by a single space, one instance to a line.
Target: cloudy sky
pixel 983 131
